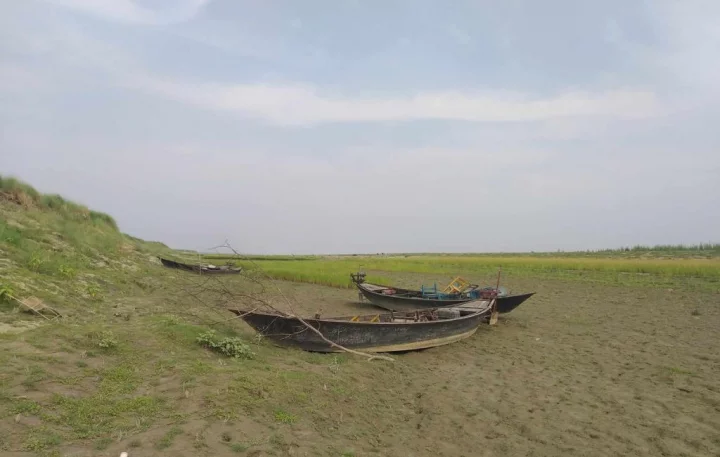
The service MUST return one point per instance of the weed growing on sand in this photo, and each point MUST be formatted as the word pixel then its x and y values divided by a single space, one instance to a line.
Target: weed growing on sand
pixel 167 439
pixel 99 414
pixel 36 261
pixel 26 407
pixel 239 447
pixel 680 371
pixel 107 340
pixel 284 417
pixel 6 292
pixel 35 374
pixel 40 439
pixel 200 442
pixel 103 443
pixel 229 346
pixel 67 271
pixel 94 292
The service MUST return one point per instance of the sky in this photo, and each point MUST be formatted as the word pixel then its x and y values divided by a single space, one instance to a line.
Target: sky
pixel 371 126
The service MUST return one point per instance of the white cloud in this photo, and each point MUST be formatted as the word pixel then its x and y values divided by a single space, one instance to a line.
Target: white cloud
pixel 692 38
pixel 129 11
pixel 306 105
pixel 461 37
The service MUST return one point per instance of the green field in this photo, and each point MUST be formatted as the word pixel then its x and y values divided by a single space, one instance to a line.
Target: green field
pixel 335 270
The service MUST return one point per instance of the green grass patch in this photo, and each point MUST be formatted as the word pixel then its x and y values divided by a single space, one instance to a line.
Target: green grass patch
pixel 118 380
pixel 41 438
pixel 167 439
pixel 284 417
pixel 9 234
pixel 26 407
pixel 239 447
pixel 34 375
pixel 680 371
pixel 103 443
pixel 176 330
pixel 99 414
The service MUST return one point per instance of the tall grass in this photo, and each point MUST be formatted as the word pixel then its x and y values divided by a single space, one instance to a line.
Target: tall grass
pixel 335 271
pixel 19 192
pixel 315 273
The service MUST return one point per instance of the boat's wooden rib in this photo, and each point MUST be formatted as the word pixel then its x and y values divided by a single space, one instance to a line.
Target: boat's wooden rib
pixel 387 332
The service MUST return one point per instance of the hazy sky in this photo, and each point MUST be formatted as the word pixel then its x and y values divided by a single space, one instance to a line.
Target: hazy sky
pixel 371 126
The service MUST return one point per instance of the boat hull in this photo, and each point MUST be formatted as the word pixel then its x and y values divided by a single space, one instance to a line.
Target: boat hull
pixel 198 268
pixel 364 336
pixel 396 302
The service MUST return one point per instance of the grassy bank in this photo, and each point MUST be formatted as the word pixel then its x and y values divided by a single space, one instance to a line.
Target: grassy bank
pixel 25 195
pixel 65 253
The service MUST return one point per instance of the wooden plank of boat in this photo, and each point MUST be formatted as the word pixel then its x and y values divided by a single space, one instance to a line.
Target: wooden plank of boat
pixel 475 304
pixel 375 287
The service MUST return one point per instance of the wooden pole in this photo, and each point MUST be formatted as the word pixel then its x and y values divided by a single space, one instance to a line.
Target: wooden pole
pixel 494 314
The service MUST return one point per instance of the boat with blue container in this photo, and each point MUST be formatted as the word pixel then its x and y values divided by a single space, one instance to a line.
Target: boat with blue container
pixel 457 292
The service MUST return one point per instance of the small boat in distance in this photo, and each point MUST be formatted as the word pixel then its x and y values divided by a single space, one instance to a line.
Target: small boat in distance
pixel 389 332
pixel 202 269
pixel 399 299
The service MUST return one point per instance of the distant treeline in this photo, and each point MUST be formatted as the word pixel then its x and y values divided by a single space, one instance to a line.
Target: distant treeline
pixel 257 257
pixel 668 247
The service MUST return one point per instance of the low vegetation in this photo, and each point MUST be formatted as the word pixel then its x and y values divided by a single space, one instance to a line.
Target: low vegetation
pixel 230 346
pixel 335 271
pixel 14 190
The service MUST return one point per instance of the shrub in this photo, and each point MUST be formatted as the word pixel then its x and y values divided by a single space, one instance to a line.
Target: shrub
pixel 284 417
pixel 6 292
pixel 228 346
pixel 67 271
pixel 36 261
pixel 94 291
pixel 107 340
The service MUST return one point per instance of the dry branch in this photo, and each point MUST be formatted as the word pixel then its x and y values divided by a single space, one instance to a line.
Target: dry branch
pixel 37 306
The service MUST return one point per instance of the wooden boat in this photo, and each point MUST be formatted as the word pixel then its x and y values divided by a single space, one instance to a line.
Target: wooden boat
pixel 389 332
pixel 398 299
pixel 202 269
